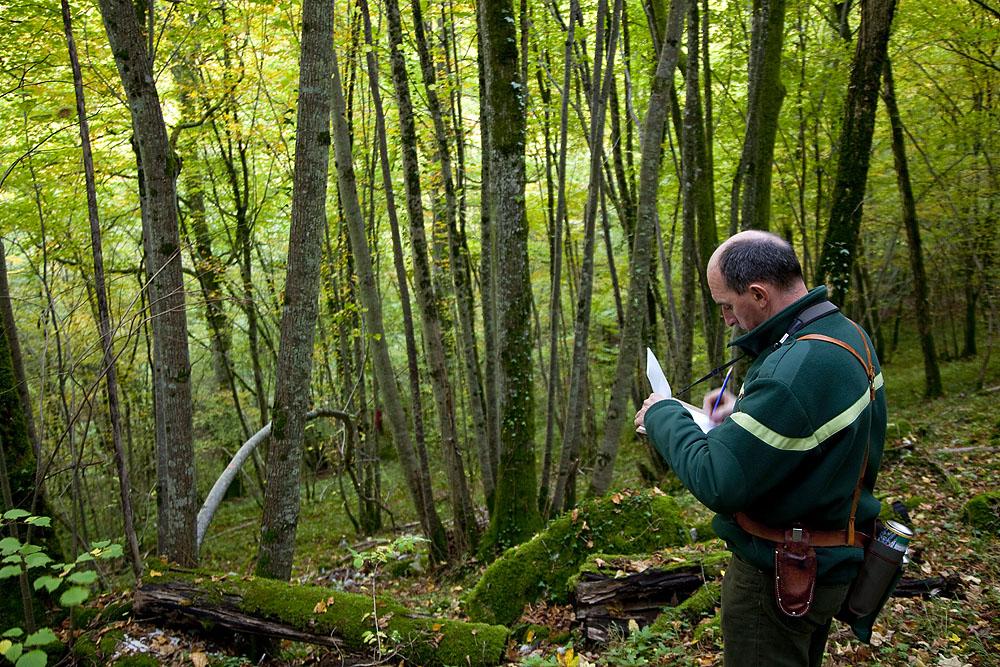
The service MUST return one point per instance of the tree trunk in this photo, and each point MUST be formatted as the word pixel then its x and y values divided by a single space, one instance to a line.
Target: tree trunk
pixel 298 319
pixel 368 292
pixel 176 490
pixel 515 514
pixel 751 194
pixel 653 131
pixel 925 329
pixel 576 400
pixel 104 314
pixel 840 247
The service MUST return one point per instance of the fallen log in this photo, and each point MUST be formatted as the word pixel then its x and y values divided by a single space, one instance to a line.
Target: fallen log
pixel 355 625
pixel 610 591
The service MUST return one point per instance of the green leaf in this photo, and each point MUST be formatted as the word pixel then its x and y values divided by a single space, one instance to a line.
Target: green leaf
pixel 41 638
pixel 82 577
pixel 48 583
pixel 37 560
pixel 74 596
pixel 42 521
pixel 10 571
pixel 103 544
pixel 15 514
pixel 113 551
pixel 34 658
pixel 13 632
pixel 9 545
pixel 14 652
pixel 84 558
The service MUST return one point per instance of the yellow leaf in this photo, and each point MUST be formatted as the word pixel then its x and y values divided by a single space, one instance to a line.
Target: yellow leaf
pixel 155 573
pixel 436 627
pixel 5 645
pixel 320 607
pixel 529 636
pixel 954 639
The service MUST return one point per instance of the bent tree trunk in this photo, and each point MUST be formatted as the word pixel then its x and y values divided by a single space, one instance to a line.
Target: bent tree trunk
pixel 176 501
pixel 298 317
pixel 840 247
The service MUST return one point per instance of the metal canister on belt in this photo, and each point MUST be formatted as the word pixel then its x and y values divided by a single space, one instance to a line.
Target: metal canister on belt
pixel 894 534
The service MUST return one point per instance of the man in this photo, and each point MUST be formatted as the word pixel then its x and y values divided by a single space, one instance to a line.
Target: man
pixel 788 452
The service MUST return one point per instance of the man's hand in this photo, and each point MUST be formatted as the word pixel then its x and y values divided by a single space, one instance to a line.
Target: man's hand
pixel 640 417
pixel 723 410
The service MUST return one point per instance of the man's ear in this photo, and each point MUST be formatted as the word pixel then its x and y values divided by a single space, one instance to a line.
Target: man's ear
pixel 760 294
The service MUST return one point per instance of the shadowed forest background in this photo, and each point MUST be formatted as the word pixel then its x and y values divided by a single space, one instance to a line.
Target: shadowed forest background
pixel 344 271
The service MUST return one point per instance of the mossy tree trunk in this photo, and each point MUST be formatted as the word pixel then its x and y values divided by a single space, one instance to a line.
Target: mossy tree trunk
pixel 515 514
pixel 176 491
pixel 840 247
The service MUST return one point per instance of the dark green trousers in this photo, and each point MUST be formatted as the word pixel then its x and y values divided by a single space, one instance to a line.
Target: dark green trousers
pixel 755 632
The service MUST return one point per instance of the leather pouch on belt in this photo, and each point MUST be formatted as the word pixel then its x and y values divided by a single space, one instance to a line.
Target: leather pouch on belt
pixel 794 574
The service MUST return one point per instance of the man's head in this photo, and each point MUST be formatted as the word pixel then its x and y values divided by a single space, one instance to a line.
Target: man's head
pixel 754 275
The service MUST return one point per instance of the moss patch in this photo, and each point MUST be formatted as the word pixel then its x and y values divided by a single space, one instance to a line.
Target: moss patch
pixel 982 512
pixel 623 523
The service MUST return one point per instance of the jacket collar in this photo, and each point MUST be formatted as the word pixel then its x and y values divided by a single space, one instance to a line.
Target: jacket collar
pixel 768 332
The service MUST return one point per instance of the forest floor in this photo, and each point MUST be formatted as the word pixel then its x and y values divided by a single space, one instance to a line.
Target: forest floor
pixel 940 453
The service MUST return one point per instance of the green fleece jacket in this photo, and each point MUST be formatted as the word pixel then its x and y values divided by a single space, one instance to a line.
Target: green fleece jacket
pixel 793 448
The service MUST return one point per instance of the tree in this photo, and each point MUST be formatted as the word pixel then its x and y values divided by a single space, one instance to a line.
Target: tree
pixel 854 148
pixel 515 514
pixel 654 129
pixel 298 318
pixel 932 374
pixel 176 502
pixel 751 192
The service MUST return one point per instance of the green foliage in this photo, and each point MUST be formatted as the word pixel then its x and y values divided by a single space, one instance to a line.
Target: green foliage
pixel 75 581
pixel 982 512
pixel 618 523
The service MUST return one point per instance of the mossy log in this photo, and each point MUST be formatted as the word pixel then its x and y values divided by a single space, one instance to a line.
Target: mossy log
pixel 610 591
pixel 622 522
pixel 316 615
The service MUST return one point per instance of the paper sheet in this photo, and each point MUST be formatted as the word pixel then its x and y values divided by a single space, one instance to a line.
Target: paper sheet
pixel 658 383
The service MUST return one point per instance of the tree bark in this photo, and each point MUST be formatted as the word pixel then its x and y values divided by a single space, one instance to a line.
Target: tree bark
pixel 368 291
pixel 176 490
pixel 515 514
pixel 653 131
pixel 751 193
pixel 840 247
pixel 298 319
pixel 925 330
pixel 104 314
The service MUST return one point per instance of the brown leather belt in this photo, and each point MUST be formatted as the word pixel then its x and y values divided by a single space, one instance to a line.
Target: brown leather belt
pixel 817 538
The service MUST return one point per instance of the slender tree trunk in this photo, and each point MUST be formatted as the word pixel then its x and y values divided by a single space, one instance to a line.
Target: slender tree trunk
pixel 368 291
pixel 298 320
pixel 576 400
pixel 104 315
pixel 466 533
pixel 653 131
pixel 176 490
pixel 751 194
pixel 925 328
pixel 854 150
pixel 515 514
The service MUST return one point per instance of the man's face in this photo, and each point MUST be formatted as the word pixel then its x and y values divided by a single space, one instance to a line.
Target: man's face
pixel 742 310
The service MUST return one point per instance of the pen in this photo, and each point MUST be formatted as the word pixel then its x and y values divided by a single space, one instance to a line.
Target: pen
pixel 718 398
